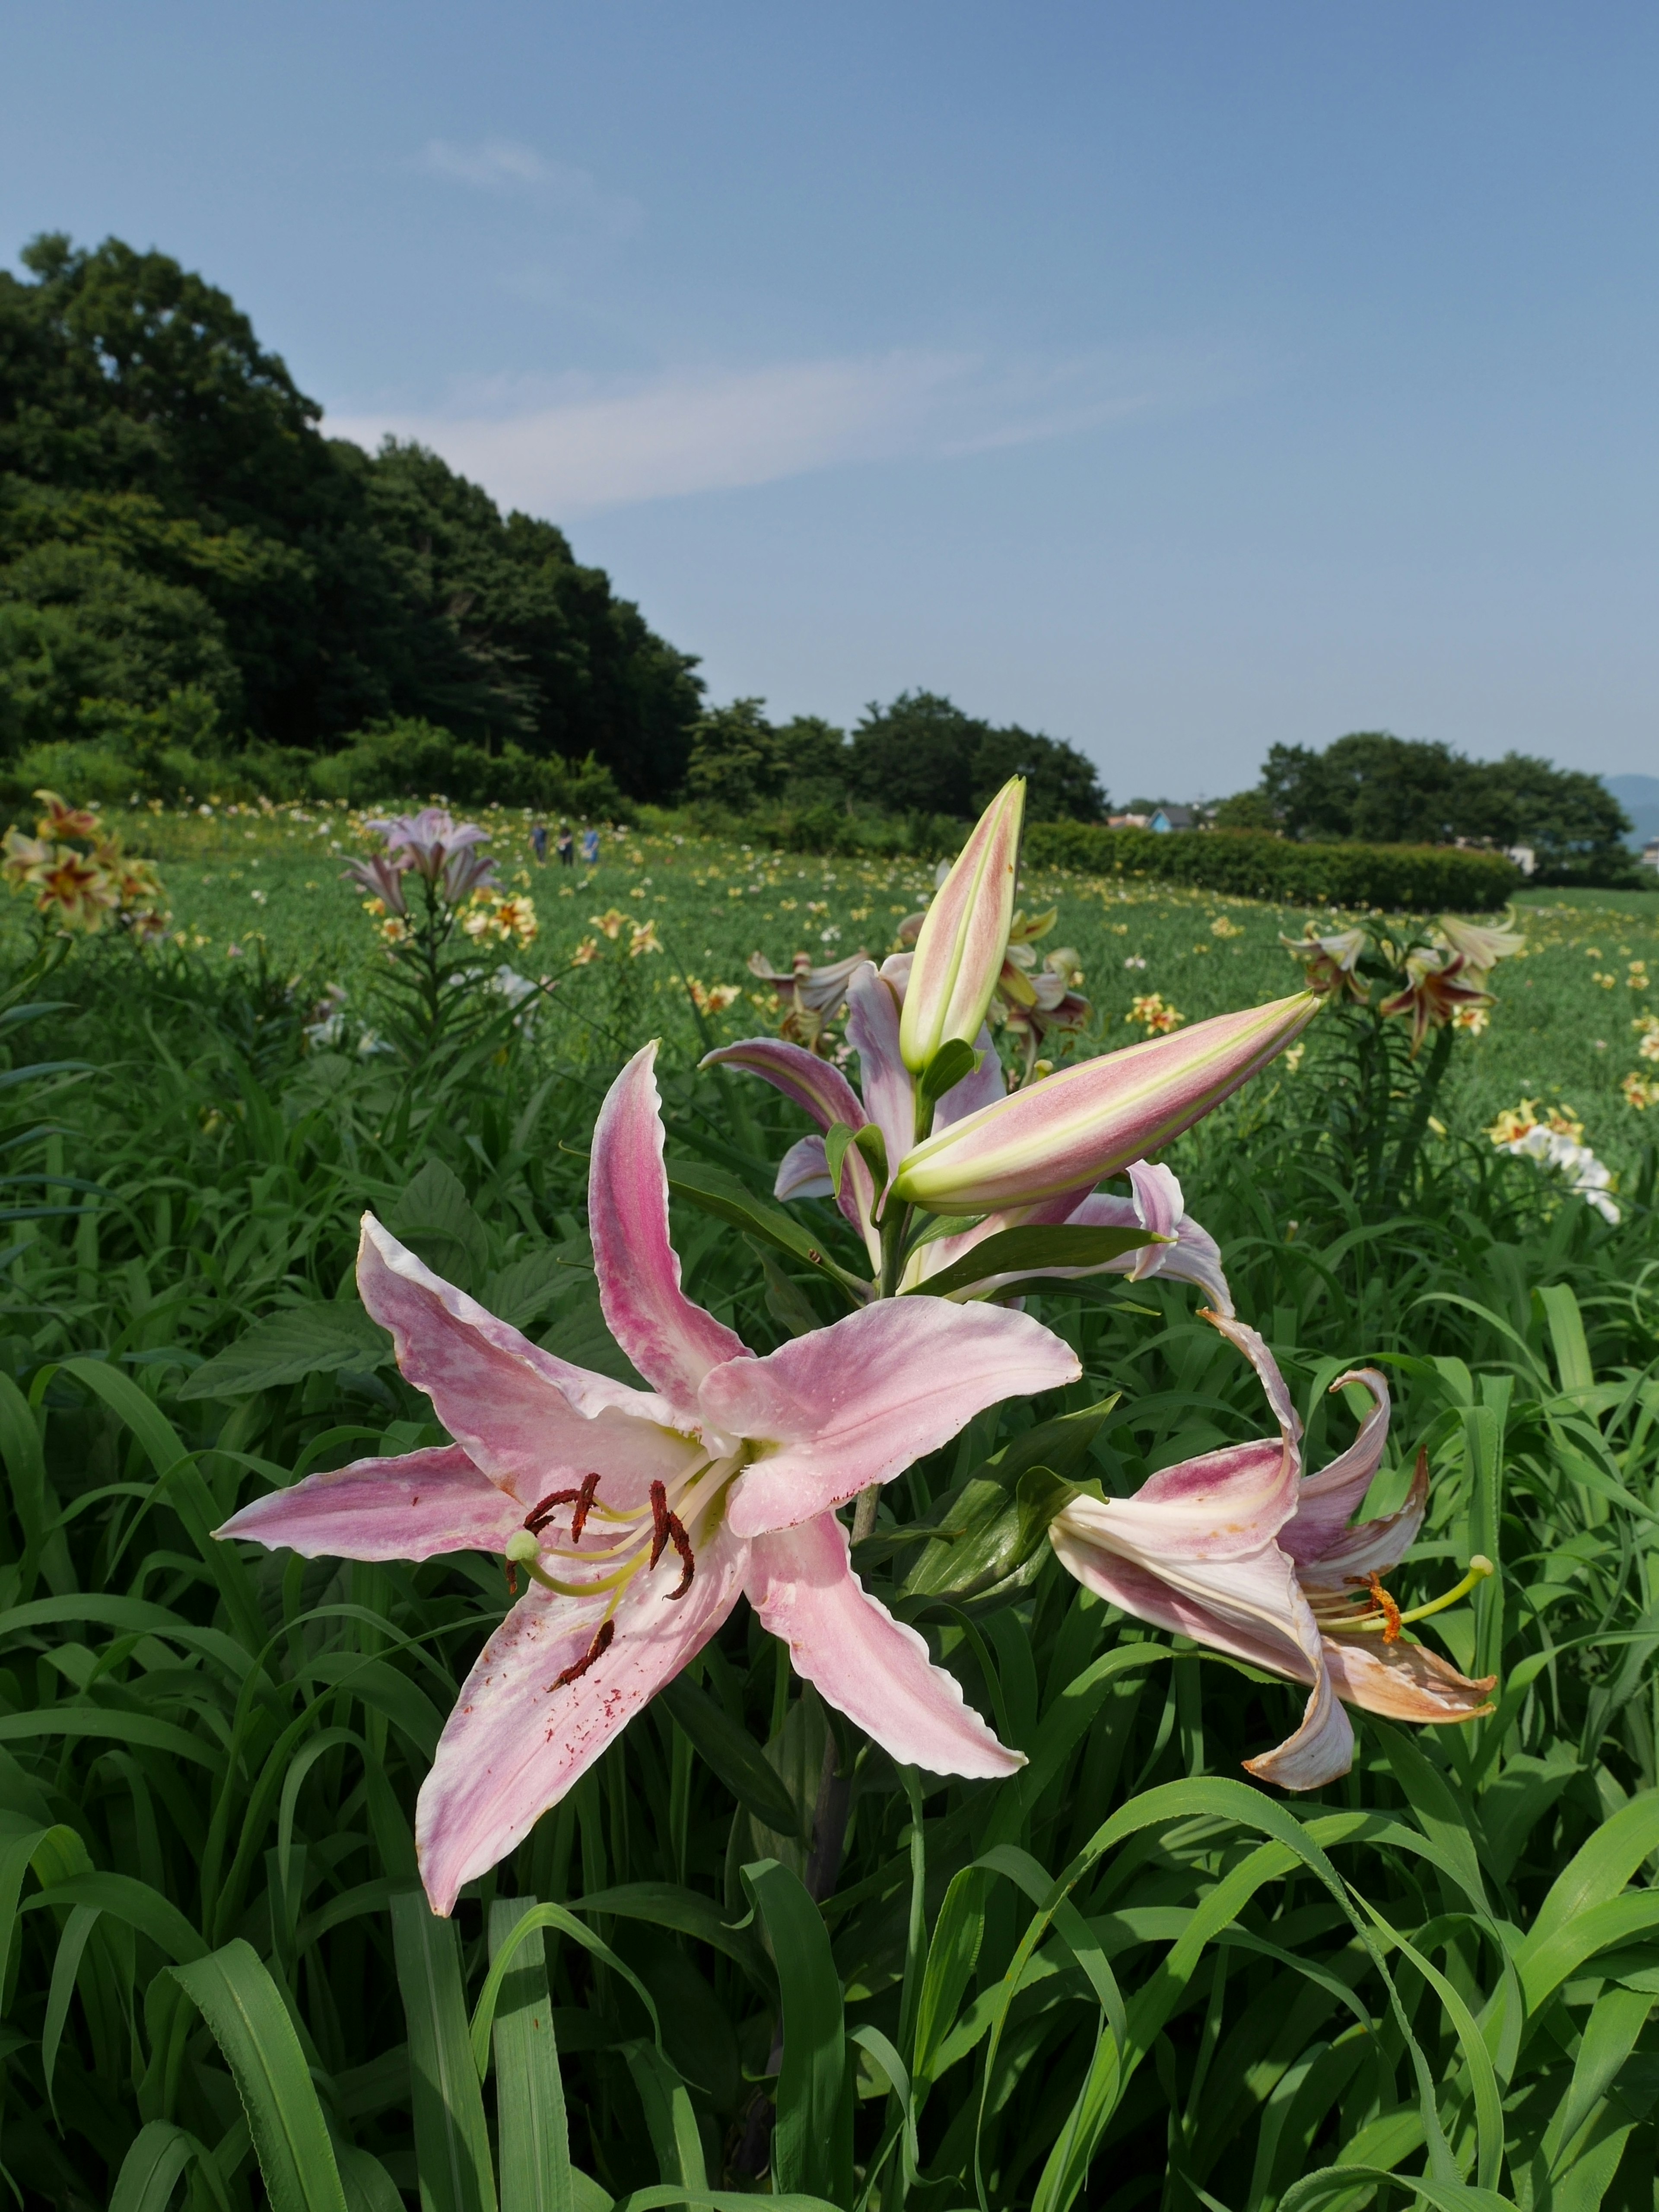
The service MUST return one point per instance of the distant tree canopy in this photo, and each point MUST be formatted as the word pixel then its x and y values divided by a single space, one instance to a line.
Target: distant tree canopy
pixel 172 521
pixel 922 754
pixel 1378 789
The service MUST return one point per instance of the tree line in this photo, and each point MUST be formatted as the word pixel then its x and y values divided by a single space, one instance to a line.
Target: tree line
pixel 1371 787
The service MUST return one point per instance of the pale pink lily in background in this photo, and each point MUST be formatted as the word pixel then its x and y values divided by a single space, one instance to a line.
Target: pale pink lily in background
pixel 1090 1119
pixel 1481 947
pixel 432 844
pixel 963 941
pixel 641 1516
pixel 1239 1550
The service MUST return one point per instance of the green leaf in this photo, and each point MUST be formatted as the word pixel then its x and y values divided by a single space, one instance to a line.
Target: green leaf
pixel 522 1289
pixel 1030 1250
pixel 436 1218
pixel 581 1336
pixel 812 2135
pixel 1340 2185
pixel 317 1338
pixel 732 1753
pixel 715 1192
pixel 151 2169
pixel 987 1537
pixel 250 2023
pixel 452 2141
pixel 955 1059
pixel 669 2120
pixel 530 2114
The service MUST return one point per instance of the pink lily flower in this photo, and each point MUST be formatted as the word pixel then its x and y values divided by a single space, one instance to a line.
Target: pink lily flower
pixel 874 1002
pixel 435 846
pixel 382 876
pixel 964 939
pixel 641 1516
pixel 1436 991
pixel 1239 1550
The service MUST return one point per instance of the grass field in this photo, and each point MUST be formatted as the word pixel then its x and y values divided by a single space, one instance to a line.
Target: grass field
pixel 1562 1030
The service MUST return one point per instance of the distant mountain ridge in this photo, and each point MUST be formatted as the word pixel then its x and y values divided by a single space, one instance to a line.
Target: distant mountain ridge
pixel 1639 797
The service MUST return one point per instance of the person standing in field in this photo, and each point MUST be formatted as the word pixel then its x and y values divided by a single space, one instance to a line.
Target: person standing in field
pixel 567 846
pixel 590 847
pixel 538 840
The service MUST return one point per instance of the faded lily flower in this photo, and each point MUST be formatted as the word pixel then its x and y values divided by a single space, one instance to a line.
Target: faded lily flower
pixel 1239 1550
pixel 811 997
pixel 639 1516
pixel 1330 964
pixel 1437 988
pixel 1481 948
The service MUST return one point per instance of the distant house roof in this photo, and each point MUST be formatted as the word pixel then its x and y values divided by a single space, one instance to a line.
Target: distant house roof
pixel 1172 817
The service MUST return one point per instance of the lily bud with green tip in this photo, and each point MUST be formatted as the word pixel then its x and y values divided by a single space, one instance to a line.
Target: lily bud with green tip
pixel 964 935
pixel 1066 1132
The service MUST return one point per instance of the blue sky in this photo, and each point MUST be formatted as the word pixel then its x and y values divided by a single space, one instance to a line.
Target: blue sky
pixel 1173 378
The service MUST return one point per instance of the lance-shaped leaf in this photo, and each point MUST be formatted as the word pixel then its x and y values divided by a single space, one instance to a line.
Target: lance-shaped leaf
pixel 1066 1132
pixel 964 935
pixel 1030 1248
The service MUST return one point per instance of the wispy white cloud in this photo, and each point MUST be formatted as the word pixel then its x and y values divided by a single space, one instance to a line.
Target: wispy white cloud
pixel 507 166
pixel 581 444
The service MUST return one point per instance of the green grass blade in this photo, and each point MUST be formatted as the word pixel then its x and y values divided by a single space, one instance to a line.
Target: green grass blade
pixel 452 2141
pixel 530 2114
pixel 243 2007
pixel 811 2140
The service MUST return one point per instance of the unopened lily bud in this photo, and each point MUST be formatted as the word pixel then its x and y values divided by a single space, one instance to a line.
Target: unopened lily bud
pixel 964 935
pixel 1090 1119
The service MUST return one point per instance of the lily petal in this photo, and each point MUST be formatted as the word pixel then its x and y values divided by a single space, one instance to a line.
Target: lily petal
pixel 1089 1121
pixel 814 1084
pixel 1321 1751
pixel 1404 1681
pixel 803 1172
pixel 411 1507
pixel 1371 1547
pixel 530 1421
pixel 518 1739
pixel 873 1669
pixel 673 1342
pixel 860 1401
pixel 1327 1501
pixel 872 1031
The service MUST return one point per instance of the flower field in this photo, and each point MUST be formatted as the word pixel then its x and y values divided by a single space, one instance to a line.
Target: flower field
pixel 1566 1027
pixel 1017 1575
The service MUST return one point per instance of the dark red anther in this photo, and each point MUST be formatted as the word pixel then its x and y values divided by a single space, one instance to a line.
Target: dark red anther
pixel 512 1578
pixel 538 1516
pixel 584 1507
pixel 661 1517
pixel 682 1543
pixel 595 1651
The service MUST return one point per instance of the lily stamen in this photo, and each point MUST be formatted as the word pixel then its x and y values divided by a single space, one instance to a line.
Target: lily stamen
pixel 596 1649
pixel 1383 1616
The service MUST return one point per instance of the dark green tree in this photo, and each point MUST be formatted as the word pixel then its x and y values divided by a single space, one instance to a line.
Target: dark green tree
pixel 923 753
pixel 735 759
pixel 143 425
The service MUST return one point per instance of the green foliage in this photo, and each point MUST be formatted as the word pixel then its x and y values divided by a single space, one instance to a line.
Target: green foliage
pixel 171 515
pixel 1386 790
pixel 1250 865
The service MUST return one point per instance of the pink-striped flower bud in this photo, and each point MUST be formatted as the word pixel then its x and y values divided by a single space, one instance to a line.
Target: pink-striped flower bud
pixel 964 935
pixel 1066 1132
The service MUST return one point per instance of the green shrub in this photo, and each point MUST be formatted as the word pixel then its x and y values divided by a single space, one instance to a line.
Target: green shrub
pixel 1250 864
pixel 413 759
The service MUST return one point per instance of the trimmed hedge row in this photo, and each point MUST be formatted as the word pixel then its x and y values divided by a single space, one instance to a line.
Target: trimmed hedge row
pixel 1255 863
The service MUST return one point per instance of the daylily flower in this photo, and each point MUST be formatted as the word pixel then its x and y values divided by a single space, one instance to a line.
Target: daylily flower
pixel 1090 1119
pixel 1239 1550
pixel 1330 964
pixel 812 996
pixel 1435 991
pixel 1481 948
pixel 874 1001
pixel 964 939
pixel 78 888
pixel 27 858
pixel 63 820
pixel 641 1516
